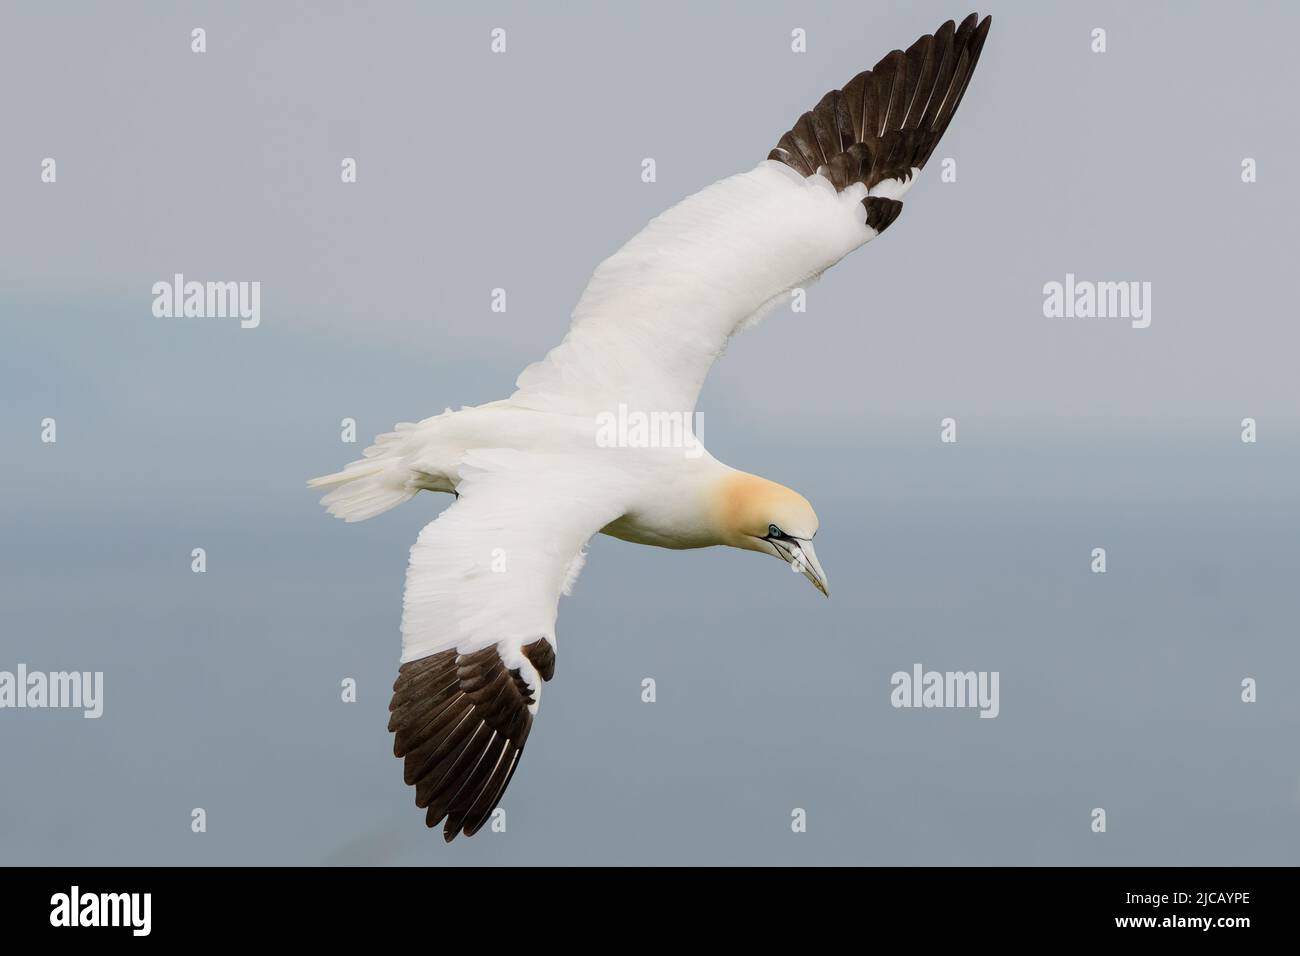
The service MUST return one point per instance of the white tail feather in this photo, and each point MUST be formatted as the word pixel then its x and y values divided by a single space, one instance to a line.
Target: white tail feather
pixel 400 464
pixel 370 486
pixel 364 498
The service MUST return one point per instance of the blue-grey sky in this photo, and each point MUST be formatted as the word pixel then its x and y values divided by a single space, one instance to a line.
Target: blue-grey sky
pixel 522 170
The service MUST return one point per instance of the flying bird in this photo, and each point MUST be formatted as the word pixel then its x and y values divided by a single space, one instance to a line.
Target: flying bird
pixel 534 482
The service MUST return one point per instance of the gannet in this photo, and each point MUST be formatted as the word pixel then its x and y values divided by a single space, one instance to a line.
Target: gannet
pixel 532 481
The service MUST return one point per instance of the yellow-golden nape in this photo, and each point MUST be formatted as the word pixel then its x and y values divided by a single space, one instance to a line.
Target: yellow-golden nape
pixel 761 515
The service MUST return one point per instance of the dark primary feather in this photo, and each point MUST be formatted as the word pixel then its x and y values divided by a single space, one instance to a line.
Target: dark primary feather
pixel 461 721
pixel 881 211
pixel 889 119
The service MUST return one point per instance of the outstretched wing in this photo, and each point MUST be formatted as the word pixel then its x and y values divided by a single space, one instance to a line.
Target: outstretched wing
pixel 478 628
pixel 660 310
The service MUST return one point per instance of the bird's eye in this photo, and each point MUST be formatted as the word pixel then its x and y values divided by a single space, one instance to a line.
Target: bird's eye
pixel 773 531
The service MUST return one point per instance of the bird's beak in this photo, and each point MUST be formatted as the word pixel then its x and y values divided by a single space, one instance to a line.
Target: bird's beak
pixel 803 559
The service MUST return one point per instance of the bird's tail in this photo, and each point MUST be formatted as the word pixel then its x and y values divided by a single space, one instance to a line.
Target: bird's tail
pixel 371 485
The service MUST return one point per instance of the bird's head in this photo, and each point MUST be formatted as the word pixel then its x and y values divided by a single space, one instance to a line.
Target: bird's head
pixel 760 515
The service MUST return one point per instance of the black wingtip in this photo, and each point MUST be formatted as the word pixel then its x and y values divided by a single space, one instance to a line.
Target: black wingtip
pixel 460 723
pixel 888 120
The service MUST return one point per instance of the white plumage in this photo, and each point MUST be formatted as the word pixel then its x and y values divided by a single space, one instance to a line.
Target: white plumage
pixel 533 479
pixel 658 312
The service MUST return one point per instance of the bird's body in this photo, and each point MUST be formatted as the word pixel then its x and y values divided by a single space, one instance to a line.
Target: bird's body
pixel 537 474
pixel 661 494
